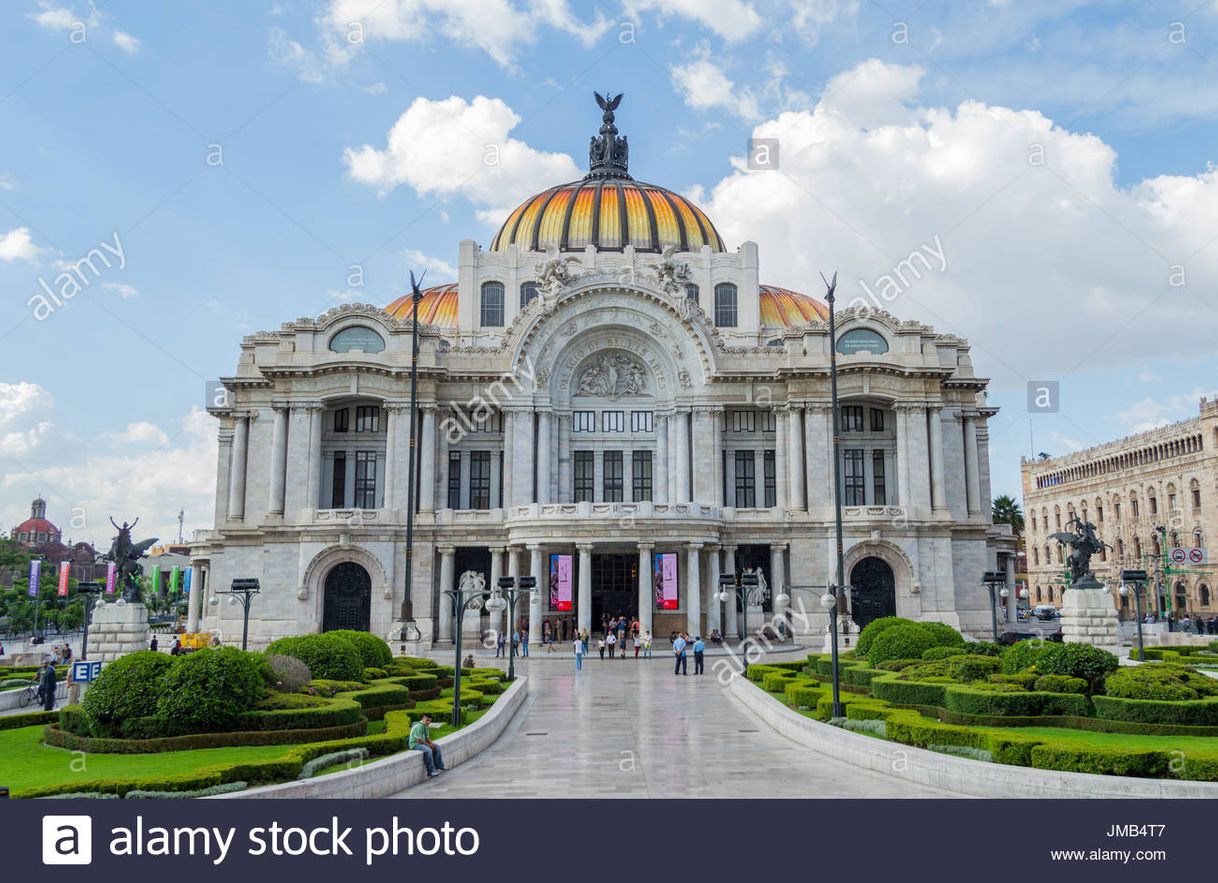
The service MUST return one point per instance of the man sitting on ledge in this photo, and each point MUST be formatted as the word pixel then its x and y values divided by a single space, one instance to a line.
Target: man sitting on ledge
pixel 420 740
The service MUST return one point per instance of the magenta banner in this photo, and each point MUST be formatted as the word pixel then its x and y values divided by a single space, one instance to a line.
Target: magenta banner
pixel 35 576
pixel 110 577
pixel 666 581
pixel 65 573
pixel 560 582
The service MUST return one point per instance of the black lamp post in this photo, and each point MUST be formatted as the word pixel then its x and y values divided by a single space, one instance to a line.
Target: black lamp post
pixel 736 588
pixel 1137 579
pixel 415 297
pixel 830 602
pixel 831 288
pixel 461 601
pixel 89 589
pixel 993 579
pixel 505 596
pixel 243 591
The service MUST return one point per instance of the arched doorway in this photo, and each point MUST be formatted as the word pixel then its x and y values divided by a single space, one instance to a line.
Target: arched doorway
pixel 874 590
pixel 348 598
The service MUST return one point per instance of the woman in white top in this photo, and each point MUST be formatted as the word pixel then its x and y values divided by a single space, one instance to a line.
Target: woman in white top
pixel 600 645
pixel 647 645
pixel 612 642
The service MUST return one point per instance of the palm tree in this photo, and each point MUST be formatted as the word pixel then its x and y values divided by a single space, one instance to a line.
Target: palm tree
pixel 1006 511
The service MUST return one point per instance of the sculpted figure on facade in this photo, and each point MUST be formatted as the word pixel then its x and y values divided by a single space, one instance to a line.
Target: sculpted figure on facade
pixel 612 376
pixel 553 275
pixel 672 275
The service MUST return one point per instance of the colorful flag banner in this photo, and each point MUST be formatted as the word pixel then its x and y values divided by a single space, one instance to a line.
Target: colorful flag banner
pixel 111 577
pixel 560 582
pixel 665 581
pixel 186 580
pixel 35 576
pixel 175 576
pixel 156 579
pixel 65 573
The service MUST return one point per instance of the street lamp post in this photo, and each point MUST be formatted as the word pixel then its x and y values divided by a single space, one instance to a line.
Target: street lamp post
pixel 89 589
pixel 830 603
pixel 993 579
pixel 831 288
pixel 1137 579
pixel 462 601
pixel 736 588
pixel 242 592
pixel 415 297
pixel 505 596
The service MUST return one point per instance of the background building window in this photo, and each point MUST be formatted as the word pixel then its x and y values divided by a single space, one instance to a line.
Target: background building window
pixel 480 480
pixel 746 478
pixel 877 420
pixel 691 291
pixel 585 476
pixel 852 418
pixel 744 421
pixel 855 481
pixel 613 421
pixel 771 479
pixel 338 495
pixel 640 475
pixel 725 305
pixel 367 418
pixel 454 479
pixel 528 291
pixel 492 305
pixel 365 480
pixel 612 480
pixel 641 421
pixel 877 479
pixel 583 421
pixel 341 416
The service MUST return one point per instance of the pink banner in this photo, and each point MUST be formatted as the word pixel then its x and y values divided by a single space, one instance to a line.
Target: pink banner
pixel 666 581
pixel 65 572
pixel 111 575
pixel 560 582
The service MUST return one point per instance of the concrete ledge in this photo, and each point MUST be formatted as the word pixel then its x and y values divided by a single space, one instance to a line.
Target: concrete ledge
pixel 956 774
pixel 395 773
pixel 11 699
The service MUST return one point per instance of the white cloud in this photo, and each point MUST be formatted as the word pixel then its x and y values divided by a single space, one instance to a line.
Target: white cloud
pixel 62 18
pixel 126 42
pixel 17 244
pixel 1058 247
pixel 1151 413
pixel 376 89
pixel 731 19
pixel 124 290
pixel 461 148
pixel 809 18
pixel 704 86
pixel 437 270
pixel 139 433
pixel 7 182
pixel 25 409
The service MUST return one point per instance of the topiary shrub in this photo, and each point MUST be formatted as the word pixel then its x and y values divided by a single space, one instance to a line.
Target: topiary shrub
pixel 1076 661
pixel 328 688
pixel 985 648
pixel 212 687
pixel 373 650
pixel 290 674
pixel 329 656
pixel 127 688
pixel 1021 656
pixel 967 667
pixel 944 635
pixel 1159 681
pixel 874 628
pixel 900 641
pixel 375 674
pixel 935 653
pixel 1060 684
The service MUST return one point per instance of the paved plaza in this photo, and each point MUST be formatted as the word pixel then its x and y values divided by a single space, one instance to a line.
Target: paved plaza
pixel 633 729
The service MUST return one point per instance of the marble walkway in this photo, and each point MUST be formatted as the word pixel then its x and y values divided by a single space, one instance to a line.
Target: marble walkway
pixel 633 729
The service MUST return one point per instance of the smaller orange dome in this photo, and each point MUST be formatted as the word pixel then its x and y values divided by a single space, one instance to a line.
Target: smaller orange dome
pixel 781 306
pixel 438 306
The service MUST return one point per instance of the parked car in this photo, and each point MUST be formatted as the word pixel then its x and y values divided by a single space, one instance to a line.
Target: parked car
pixel 1046 612
pixel 1006 639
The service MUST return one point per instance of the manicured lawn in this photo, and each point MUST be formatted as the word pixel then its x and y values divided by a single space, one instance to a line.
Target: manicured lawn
pixel 1204 745
pixel 25 762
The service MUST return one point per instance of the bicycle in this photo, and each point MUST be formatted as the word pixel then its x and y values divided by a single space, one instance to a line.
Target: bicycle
pixel 28 694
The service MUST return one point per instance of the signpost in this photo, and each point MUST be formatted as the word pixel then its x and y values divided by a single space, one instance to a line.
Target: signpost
pixel 84 672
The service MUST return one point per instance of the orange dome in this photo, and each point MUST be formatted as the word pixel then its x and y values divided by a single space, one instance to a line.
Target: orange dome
pixel 438 306
pixel 781 306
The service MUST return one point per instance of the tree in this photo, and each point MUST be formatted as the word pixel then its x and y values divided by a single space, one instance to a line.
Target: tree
pixel 1006 511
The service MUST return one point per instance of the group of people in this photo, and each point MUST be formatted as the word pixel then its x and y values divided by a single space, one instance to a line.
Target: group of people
pixel 682 646
pixel 520 643
pixel 617 643
pixel 1197 625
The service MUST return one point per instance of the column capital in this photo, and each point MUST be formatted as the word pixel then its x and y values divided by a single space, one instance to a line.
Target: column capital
pixel 585 548
pixel 781 547
pixel 909 406
pixel 396 406
pixel 712 547
pixel 446 549
pixel 694 546
pixel 730 547
pixel 281 404
pixel 646 547
pixel 498 550
pixel 533 547
pixel 309 405
pixel 818 407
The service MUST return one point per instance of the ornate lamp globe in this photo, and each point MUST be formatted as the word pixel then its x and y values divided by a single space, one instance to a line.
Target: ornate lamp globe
pixel 1124 590
pixel 782 600
pixel 828 600
pixel 496 604
pixel 214 601
pixel 1005 593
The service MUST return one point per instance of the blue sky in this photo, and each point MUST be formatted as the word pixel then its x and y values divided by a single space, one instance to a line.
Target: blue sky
pixel 242 154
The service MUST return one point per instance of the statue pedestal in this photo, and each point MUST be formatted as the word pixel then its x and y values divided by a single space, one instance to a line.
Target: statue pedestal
pixel 117 629
pixel 1089 617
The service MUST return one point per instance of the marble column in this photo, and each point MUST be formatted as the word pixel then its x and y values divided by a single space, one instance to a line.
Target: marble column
pixel 684 494
pixel 522 458
pixel 300 436
pixel 542 494
pixel 536 597
pixel 1012 589
pixel 448 563
pixel 565 485
pixel 236 475
pixel 919 458
pixel 693 589
pixel 818 435
pixel 194 603
pixel 647 596
pixel 716 425
pixel 584 613
pixel 495 620
pixel 508 476
pixel 731 625
pixel 781 446
pixel 660 475
pixel 972 465
pixel 279 460
pixel 395 466
pixel 778 579
pixel 903 464
pixel 938 492
pixel 702 449
pixel 427 459
pixel 795 458
pixel 714 608
pixel 513 555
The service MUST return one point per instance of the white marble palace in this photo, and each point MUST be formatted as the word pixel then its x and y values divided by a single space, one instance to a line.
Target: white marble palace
pixel 604 384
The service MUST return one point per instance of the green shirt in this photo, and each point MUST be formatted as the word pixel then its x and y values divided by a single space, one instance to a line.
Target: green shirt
pixel 418 733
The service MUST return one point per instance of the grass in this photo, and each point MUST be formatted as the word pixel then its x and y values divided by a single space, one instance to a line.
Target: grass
pixel 1196 745
pixel 25 762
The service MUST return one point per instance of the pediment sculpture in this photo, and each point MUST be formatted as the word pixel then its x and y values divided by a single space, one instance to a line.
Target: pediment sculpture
pixel 612 376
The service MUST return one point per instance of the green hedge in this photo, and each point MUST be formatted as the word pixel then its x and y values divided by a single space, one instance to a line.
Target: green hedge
pixel 970 700
pixel 1060 684
pixel 385 694
pixel 374 652
pixel 1105 761
pixel 1195 713
pixel 776 681
pixel 416 682
pixel 211 688
pixel 57 737
pixel 908 692
pixel 1160 681
pixel 128 687
pixel 329 656
pixel 803 694
pixel 27 719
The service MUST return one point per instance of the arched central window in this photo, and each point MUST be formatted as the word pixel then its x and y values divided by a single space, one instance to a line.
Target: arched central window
pixel 357 337
pixel 492 305
pixel 725 305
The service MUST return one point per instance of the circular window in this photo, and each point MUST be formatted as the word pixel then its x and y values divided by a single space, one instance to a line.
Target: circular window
pixel 358 338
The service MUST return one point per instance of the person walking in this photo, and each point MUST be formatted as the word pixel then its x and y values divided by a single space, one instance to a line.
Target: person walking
pixel 152 645
pixel 647 645
pixel 638 644
pixel 524 642
pixel 699 651
pixel 578 646
pixel 678 652
pixel 583 636
pixel 600 646
pixel 420 740
pixel 500 644
pixel 47 683
pixel 611 640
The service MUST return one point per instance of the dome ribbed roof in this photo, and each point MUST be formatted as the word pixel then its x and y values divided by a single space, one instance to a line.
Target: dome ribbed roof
pixel 781 306
pixel 438 306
